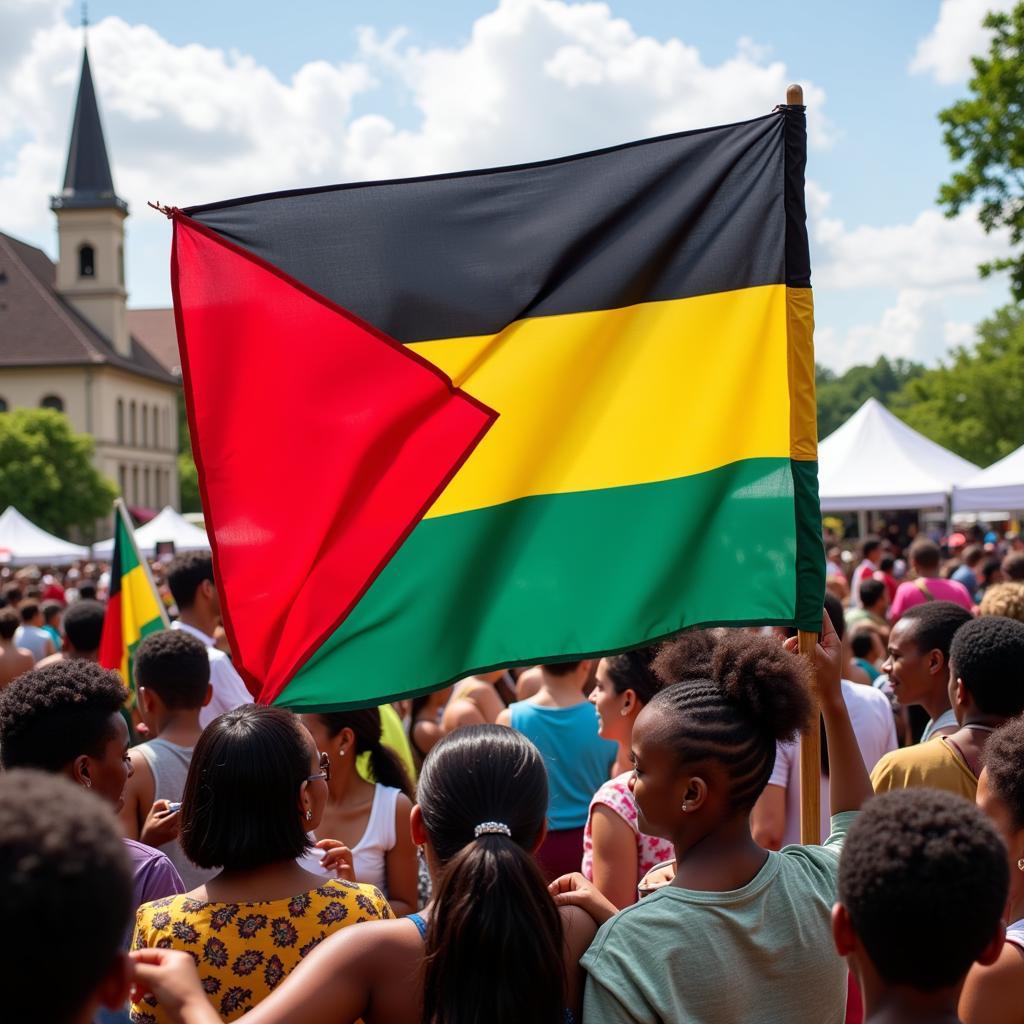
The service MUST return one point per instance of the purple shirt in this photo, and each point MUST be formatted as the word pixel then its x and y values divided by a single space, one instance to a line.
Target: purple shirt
pixel 153 875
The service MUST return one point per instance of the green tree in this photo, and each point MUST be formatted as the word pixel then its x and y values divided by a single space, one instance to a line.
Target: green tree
pixel 188 481
pixel 188 477
pixel 841 395
pixel 973 403
pixel 46 471
pixel 985 135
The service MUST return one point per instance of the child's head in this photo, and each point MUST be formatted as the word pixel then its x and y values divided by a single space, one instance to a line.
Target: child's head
pixel 704 747
pixel 483 800
pixel 172 673
pixel 986 668
pixel 1001 792
pixel 66 718
pixel 67 900
pixel 922 886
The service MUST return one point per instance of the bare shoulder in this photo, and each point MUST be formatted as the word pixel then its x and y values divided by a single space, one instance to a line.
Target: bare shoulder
pixel 578 931
pixel 504 717
pixel 991 994
pixel 462 712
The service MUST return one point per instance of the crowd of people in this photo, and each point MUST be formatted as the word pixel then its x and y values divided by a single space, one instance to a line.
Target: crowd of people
pixel 614 840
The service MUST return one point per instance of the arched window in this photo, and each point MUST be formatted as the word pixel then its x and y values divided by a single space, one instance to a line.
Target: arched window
pixel 145 425
pixel 52 402
pixel 3 405
pixel 135 485
pixel 122 480
pixel 120 264
pixel 133 422
pixel 156 427
pixel 86 261
pixel 145 485
pixel 120 425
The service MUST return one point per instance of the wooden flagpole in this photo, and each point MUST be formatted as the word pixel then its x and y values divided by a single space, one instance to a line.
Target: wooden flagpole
pixel 810 742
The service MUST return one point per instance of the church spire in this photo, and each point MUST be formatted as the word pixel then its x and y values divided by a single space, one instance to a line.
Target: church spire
pixel 87 178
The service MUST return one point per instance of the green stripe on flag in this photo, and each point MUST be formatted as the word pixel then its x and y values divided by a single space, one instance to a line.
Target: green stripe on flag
pixel 564 576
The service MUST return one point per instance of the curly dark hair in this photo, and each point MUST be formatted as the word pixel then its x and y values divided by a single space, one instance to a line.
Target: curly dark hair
pixel 732 697
pixel 987 655
pixel 904 849
pixel 80 874
pixel 1004 767
pixel 51 715
pixel 175 665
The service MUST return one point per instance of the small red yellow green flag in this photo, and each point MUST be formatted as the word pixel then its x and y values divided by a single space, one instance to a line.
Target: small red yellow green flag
pixel 134 609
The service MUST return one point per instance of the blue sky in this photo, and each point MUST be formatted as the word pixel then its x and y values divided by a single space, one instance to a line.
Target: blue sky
pixel 206 100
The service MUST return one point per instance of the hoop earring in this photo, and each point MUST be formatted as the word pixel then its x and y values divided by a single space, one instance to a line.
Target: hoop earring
pixel 1020 864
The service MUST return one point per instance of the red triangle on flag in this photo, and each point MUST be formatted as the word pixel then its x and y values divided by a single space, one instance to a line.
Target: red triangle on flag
pixel 320 443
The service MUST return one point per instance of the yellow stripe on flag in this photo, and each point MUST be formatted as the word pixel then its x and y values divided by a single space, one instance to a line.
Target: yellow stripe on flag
pixel 650 392
pixel 139 605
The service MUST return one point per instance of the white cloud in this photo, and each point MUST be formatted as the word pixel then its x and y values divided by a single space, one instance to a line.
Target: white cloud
pixel 917 327
pixel 930 252
pixel 957 35
pixel 921 269
pixel 539 78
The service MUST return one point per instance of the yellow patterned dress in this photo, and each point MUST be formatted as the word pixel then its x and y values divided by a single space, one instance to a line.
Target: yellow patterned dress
pixel 244 950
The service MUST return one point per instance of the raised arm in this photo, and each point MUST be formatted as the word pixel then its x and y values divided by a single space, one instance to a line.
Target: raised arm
pixel 849 785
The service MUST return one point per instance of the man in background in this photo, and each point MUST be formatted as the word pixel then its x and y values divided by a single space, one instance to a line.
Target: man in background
pixel 190 578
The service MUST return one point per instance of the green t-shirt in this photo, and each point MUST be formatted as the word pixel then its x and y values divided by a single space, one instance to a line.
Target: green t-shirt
pixel 761 953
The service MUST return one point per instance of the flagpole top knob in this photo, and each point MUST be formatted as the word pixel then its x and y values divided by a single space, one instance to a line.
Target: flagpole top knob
pixel 795 95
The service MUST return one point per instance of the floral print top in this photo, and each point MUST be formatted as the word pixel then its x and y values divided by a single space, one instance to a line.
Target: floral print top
pixel 244 950
pixel 650 850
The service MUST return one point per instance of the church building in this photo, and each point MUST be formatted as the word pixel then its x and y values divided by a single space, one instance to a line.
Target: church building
pixel 68 340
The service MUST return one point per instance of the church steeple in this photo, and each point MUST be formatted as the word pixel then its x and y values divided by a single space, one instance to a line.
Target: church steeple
pixel 87 177
pixel 90 224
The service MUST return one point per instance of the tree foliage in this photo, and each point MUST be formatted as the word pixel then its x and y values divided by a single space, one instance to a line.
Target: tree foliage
pixel 841 395
pixel 46 471
pixel 985 136
pixel 188 482
pixel 973 403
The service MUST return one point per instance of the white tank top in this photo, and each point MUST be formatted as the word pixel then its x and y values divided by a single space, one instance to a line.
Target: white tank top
pixel 370 853
pixel 1015 933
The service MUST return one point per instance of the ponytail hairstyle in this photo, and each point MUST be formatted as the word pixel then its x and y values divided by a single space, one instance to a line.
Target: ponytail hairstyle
pixel 730 697
pixel 633 671
pixel 365 724
pixel 491 896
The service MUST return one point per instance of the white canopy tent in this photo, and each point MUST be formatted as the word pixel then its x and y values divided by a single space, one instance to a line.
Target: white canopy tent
pixel 874 461
pixel 1001 486
pixel 24 543
pixel 166 525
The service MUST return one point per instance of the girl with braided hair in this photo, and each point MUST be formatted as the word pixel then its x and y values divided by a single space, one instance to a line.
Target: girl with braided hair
pixel 741 933
pixel 370 818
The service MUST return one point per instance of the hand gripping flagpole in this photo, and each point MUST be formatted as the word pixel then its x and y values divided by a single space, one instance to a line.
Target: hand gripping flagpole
pixel 810 742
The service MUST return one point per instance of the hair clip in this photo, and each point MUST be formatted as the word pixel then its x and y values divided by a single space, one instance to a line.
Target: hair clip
pixel 488 828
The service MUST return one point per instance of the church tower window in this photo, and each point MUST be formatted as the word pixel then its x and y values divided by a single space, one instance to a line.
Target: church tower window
pixel 86 261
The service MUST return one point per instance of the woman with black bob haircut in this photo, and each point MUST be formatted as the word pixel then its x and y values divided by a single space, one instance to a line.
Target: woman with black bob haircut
pixel 255 785
pixel 703 751
pixel 492 946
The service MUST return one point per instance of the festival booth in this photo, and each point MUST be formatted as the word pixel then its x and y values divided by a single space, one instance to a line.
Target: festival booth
pixel 167 526
pixel 875 462
pixel 1001 486
pixel 24 543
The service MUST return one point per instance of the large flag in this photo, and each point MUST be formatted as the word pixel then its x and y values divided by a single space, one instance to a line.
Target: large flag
pixel 542 412
pixel 134 609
